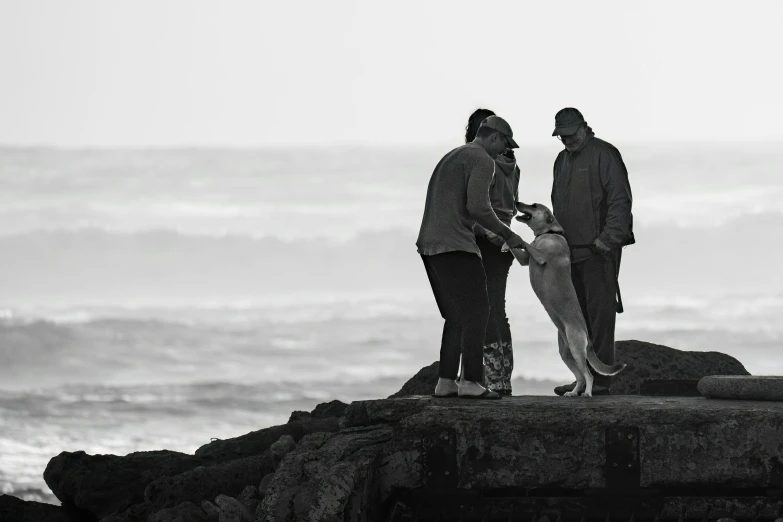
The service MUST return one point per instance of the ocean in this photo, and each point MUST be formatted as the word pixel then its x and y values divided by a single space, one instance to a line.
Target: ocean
pixel 161 298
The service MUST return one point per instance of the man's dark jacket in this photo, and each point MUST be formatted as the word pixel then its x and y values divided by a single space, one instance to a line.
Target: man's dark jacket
pixel 591 197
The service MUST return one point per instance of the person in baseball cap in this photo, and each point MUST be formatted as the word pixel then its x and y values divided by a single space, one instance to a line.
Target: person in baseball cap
pixel 500 125
pixel 567 122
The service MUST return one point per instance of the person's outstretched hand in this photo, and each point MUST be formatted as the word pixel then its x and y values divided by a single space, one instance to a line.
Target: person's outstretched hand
pixel 494 239
pixel 515 241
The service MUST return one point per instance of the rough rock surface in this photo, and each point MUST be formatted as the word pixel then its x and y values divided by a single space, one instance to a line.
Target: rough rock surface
pixel 206 482
pixel 106 484
pixel 423 383
pixel 325 476
pixel 521 443
pixel 653 361
pixel 757 388
pixel 329 409
pixel 283 446
pixel 185 512
pixel 256 442
pixel 645 361
pixel 232 510
pixel 14 509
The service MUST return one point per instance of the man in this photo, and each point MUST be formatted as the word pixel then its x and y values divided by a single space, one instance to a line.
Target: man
pixel 457 198
pixel 591 199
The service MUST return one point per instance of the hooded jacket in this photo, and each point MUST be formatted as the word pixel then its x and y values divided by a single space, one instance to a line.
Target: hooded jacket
pixel 591 197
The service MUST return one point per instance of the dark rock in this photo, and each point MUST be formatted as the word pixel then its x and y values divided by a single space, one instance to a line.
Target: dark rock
pixel 212 511
pixel 283 446
pixel 257 442
pixel 648 361
pixel 262 488
pixel 206 482
pixel 297 415
pixel 323 479
pixel 423 383
pixel 135 513
pixel 744 387
pixel 105 484
pixel 418 446
pixel 185 512
pixel 249 493
pixel 14 509
pixel 232 510
pixel 329 409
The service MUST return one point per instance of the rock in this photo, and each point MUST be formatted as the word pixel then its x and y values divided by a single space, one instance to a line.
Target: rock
pixel 14 509
pixel 250 498
pixel 283 446
pixel 329 409
pixel 105 484
pixel 207 482
pixel 262 488
pixel 757 388
pixel 423 383
pixel 297 415
pixel 212 511
pixel 318 481
pixel 648 361
pixel 400 453
pixel 135 513
pixel 185 512
pixel 249 493
pixel 232 510
pixel 257 442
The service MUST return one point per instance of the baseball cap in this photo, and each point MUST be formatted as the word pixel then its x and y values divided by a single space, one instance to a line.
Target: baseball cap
pixel 497 123
pixel 567 121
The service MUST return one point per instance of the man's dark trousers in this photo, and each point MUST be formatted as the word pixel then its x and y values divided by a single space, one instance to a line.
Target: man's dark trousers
pixel 595 282
pixel 460 288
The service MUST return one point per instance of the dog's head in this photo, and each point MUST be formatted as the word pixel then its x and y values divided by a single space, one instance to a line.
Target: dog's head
pixel 538 217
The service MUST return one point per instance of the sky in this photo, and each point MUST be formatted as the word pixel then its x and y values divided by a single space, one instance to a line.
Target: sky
pixel 232 73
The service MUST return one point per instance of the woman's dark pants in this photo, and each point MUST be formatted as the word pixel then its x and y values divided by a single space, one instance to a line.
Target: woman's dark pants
pixel 460 288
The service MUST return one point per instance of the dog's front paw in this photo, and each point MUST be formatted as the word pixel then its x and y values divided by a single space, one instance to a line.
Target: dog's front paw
pixel 571 394
pixel 587 394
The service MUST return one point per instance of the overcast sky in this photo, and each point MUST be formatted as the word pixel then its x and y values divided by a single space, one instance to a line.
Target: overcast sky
pixel 253 73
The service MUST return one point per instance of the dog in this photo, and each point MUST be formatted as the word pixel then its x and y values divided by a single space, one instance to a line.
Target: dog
pixel 550 277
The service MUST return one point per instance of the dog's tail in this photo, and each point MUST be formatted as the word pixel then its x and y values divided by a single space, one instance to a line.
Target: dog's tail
pixel 598 366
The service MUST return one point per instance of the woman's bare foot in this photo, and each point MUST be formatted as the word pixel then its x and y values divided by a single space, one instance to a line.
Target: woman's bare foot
pixel 446 388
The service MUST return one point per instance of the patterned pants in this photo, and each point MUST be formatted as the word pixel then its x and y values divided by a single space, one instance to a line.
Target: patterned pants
pixel 498 364
pixel 498 356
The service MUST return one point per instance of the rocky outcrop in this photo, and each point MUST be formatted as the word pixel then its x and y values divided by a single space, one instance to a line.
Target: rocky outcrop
pixel 405 453
pixel 742 387
pixel 423 383
pixel 159 483
pixel 648 362
pixel 106 484
pixel 208 482
pixel 13 509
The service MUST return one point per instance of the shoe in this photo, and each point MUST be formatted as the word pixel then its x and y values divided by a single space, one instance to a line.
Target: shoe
pixel 601 390
pixel 486 395
pixel 505 393
pixel 560 390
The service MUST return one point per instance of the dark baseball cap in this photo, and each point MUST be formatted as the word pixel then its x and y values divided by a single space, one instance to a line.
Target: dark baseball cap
pixel 497 123
pixel 567 122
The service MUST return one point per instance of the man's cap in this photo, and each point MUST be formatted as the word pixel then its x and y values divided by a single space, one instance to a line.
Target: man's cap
pixel 500 125
pixel 567 122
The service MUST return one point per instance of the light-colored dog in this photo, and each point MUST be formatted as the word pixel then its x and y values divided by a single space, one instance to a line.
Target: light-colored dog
pixel 550 277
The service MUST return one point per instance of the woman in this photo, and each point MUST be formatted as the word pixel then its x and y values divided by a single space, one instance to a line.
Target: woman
pixel 498 355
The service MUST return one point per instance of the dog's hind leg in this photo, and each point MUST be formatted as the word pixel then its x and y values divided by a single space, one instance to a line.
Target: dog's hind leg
pixel 577 345
pixel 568 359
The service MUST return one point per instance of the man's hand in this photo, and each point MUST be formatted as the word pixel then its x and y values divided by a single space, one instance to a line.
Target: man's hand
pixel 601 247
pixel 515 241
pixel 494 238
